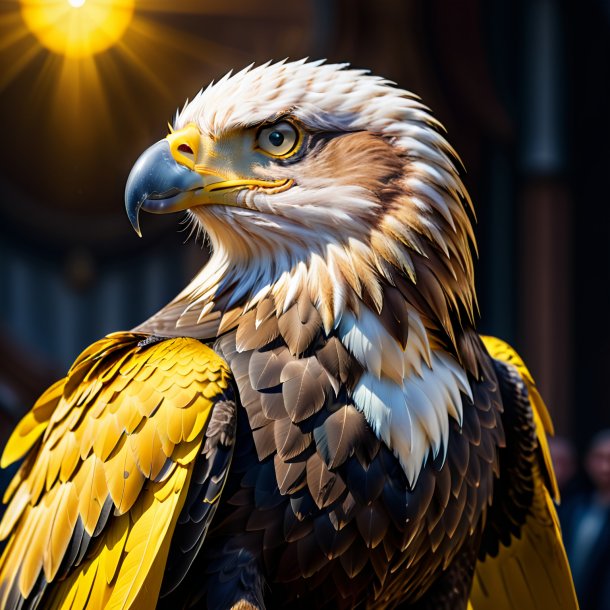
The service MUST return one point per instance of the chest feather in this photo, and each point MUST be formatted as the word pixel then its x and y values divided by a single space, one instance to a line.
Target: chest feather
pixel 407 396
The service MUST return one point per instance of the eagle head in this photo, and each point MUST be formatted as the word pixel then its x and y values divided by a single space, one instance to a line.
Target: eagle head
pixel 310 176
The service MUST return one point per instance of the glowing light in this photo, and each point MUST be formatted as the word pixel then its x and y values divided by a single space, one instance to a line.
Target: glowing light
pixel 94 27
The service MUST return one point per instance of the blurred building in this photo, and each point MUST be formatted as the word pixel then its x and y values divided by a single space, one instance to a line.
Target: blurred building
pixel 523 88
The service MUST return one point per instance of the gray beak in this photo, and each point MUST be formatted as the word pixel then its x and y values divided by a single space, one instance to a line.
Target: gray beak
pixel 157 183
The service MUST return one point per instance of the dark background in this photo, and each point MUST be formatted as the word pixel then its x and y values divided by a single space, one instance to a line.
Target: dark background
pixel 523 88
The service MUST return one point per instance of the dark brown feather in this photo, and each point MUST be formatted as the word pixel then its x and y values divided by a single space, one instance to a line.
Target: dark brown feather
pixel 436 536
pixel 333 542
pixel 294 528
pixel 473 474
pixel 343 513
pixel 432 291
pixel 264 440
pixel 335 359
pixel 251 402
pixel 454 513
pixel 459 456
pixel 365 483
pixel 273 536
pixel 380 565
pixel 272 403
pixel 395 315
pixel 372 524
pixel 265 368
pixel 325 486
pixel 470 351
pixel 311 558
pixel 290 440
pixel 290 476
pixel 354 559
pixel 340 433
pixel 443 486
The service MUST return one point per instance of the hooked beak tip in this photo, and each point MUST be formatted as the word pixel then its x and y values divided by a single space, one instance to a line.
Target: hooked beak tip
pixel 133 213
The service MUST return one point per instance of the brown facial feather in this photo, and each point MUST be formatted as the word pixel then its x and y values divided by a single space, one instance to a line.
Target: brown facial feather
pixel 358 159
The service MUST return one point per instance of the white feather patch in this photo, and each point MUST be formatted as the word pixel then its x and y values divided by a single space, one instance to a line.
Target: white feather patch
pixel 410 415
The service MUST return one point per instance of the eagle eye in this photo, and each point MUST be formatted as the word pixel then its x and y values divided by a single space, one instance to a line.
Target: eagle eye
pixel 278 140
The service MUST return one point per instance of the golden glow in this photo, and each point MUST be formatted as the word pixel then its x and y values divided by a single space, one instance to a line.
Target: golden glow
pixel 77 28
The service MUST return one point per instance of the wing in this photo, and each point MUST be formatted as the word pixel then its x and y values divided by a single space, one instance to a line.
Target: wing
pixel 522 563
pixel 114 452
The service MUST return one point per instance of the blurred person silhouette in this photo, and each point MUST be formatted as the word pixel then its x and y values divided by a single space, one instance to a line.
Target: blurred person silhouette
pixel 565 463
pixel 585 520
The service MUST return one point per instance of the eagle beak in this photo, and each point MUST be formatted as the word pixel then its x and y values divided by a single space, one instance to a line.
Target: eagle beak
pixel 158 184
pixel 167 178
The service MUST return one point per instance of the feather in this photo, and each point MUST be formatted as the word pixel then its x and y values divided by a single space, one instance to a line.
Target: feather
pixel 324 485
pixel 354 559
pixel 264 310
pixel 365 483
pixel 290 475
pixel 272 404
pixel 93 457
pixel 32 425
pixel 299 326
pixel 149 535
pixel 339 435
pixel 266 367
pixel 336 360
pixel 290 440
pixel 310 557
pixel 294 528
pixel 394 315
pixel 303 388
pixel 265 440
pixel 252 336
pixel 331 541
pixel 372 522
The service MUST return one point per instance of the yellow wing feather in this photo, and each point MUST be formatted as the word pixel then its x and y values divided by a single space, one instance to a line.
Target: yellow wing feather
pixel 124 426
pixel 30 428
pixel 532 572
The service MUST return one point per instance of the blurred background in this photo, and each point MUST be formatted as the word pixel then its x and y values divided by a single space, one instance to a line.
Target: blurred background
pixel 523 88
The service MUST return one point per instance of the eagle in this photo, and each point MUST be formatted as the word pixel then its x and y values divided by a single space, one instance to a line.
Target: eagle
pixel 314 420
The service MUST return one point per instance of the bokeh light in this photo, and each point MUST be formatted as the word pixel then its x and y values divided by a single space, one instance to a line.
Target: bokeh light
pixel 76 28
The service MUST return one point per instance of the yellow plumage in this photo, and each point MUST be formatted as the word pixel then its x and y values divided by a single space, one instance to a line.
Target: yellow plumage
pixel 124 414
pixel 533 571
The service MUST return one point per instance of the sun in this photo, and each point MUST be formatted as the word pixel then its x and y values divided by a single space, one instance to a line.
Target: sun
pixel 77 28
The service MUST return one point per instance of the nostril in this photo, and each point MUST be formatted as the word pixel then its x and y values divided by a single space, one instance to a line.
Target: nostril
pixel 185 148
